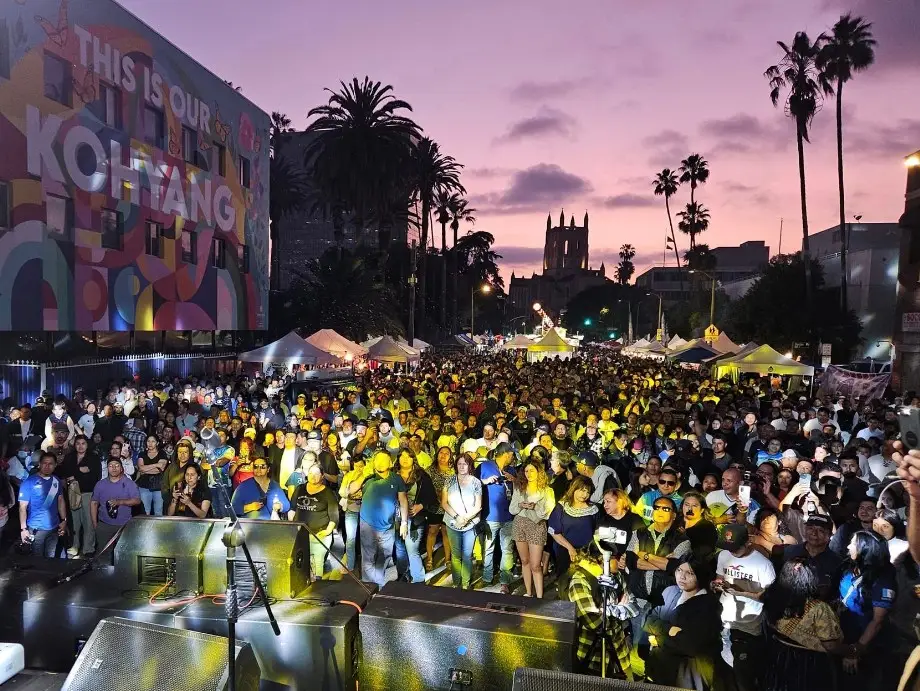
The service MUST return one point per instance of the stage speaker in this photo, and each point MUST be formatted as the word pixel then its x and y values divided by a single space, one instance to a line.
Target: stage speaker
pixel 155 550
pixel 24 577
pixel 551 680
pixel 123 654
pixel 279 549
pixel 417 636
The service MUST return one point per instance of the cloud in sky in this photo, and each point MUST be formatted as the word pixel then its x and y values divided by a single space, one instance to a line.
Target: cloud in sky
pixel 548 122
pixel 744 133
pixel 666 148
pixel 538 188
pixel 537 91
pixel 628 200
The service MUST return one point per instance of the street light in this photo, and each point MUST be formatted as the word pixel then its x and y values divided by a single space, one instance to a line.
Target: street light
pixel 587 322
pixel 712 293
pixel 484 290
pixel 658 328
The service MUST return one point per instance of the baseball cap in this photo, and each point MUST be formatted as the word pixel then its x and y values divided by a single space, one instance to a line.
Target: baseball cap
pixel 588 459
pixel 734 537
pixel 820 521
pixel 790 453
pixel 314 435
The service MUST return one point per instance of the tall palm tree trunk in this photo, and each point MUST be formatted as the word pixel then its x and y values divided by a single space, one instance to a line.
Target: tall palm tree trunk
pixel 806 255
pixel 423 268
pixel 844 239
pixel 443 275
pixel 667 206
pixel 455 268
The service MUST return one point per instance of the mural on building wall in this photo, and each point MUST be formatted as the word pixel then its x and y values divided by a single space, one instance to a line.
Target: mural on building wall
pixel 133 182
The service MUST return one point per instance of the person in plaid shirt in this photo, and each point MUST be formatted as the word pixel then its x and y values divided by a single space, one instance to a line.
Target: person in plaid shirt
pixel 585 592
pixel 135 433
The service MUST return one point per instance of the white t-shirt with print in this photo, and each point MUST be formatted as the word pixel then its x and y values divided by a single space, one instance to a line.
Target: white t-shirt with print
pixel 753 572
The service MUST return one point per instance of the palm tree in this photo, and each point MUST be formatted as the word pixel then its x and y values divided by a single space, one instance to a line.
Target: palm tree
pixel 363 143
pixel 849 49
pixel 666 183
pixel 694 219
pixel 442 208
pixel 280 129
pixel 289 191
pixel 460 212
pixel 432 173
pixel 695 170
pixel 626 268
pixel 797 73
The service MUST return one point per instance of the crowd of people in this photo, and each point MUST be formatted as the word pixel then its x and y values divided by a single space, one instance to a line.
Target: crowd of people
pixel 711 534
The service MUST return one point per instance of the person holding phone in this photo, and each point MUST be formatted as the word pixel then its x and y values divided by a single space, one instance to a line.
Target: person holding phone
pixel 191 497
pixel 730 504
pixel 260 496
pixel 531 504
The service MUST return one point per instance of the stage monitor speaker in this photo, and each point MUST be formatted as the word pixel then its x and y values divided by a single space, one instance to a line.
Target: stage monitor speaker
pixel 418 636
pixel 551 680
pixel 23 577
pixel 123 654
pixel 279 549
pixel 155 550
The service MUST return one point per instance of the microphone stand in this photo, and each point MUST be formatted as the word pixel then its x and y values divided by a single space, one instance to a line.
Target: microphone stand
pixel 234 537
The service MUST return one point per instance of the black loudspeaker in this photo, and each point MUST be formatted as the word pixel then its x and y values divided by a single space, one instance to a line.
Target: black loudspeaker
pixel 22 577
pixel 550 680
pixel 124 654
pixel 422 637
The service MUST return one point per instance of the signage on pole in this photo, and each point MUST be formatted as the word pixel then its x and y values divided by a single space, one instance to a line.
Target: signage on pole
pixel 711 333
pixel 826 349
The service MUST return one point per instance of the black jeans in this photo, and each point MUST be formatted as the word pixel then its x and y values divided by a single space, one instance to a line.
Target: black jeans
pixel 747 659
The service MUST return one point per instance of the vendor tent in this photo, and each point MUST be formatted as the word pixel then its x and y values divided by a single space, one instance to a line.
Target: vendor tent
pixel 518 342
pixel 695 354
pixel 333 342
pixel 417 344
pixel 290 349
pixel 724 344
pixel 552 345
pixel 388 350
pixel 676 342
pixel 762 360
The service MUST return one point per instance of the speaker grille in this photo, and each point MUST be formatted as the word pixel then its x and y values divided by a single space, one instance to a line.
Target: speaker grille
pixel 124 654
pixel 548 680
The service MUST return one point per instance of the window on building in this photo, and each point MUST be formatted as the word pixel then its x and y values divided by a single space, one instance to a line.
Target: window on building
pixel 244 172
pixel 153 127
pixel 154 239
pixel 108 107
pixel 57 216
pixel 190 145
pixel 220 160
pixel 189 247
pixel 242 255
pixel 4 50
pixel 112 235
pixel 218 254
pixel 5 206
pixel 58 80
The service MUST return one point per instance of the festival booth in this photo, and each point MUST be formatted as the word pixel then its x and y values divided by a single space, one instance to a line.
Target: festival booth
pixel 723 344
pixel 386 350
pixel 552 345
pixel 336 344
pixel 519 342
pixel 676 342
pixel 288 351
pixel 694 354
pixel 761 360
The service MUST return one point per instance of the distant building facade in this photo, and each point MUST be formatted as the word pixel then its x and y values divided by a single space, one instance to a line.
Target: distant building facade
pixel 906 369
pixel 134 183
pixel 732 264
pixel 566 271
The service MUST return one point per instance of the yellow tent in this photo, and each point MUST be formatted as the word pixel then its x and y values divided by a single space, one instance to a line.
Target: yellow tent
pixel 762 360
pixel 552 345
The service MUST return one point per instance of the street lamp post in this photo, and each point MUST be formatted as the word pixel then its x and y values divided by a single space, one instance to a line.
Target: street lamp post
pixel 657 328
pixel 484 289
pixel 712 293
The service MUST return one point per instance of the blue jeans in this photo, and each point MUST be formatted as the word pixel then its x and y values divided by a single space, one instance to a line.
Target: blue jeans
pixel 376 552
pixel 352 519
pixel 408 556
pixel 501 533
pixel 461 555
pixel 152 499
pixel 44 543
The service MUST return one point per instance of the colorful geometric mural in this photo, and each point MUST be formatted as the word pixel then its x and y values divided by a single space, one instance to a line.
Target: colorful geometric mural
pixel 133 181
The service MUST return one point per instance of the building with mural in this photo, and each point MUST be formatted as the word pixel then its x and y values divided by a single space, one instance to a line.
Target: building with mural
pixel 134 183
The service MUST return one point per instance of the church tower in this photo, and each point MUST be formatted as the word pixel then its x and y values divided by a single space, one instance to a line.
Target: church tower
pixel 566 246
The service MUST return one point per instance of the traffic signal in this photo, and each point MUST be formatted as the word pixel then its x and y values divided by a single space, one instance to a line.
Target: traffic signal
pixel 612 335
pixel 587 322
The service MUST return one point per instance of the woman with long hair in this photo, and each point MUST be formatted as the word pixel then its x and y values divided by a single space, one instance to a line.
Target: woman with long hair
pixel 768 535
pixel 572 522
pixel 191 497
pixel 697 524
pixel 315 505
pixel 241 465
pixel 867 593
pixel 82 466
pixel 351 503
pixel 531 504
pixel 151 463
pixel 802 630
pixel 421 499
pixel 888 524
pixel 461 500
pixel 442 469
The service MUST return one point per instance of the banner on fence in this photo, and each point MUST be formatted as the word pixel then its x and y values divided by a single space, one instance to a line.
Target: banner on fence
pixel 843 382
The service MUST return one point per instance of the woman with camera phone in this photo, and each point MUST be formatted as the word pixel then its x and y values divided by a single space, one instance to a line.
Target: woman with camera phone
pixel 461 500
pixel 260 496
pixel 191 497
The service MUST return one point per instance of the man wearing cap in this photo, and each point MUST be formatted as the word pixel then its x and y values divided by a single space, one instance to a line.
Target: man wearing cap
pixel 816 552
pixel 743 576
pixel 588 464
pixel 522 427
pixel 111 505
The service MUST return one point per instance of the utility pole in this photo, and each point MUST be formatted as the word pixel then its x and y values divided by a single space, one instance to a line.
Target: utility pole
pixel 412 281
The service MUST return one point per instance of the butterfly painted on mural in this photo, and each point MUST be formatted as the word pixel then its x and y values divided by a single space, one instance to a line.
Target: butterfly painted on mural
pixel 86 90
pixel 174 148
pixel 222 128
pixel 203 144
pixel 57 32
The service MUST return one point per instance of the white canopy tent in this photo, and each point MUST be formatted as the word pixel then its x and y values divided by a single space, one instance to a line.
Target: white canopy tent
pixel 333 342
pixel 386 349
pixel 289 350
pixel 519 342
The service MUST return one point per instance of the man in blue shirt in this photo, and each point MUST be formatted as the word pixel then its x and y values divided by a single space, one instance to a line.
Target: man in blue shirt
pixel 42 512
pixel 382 492
pixel 495 477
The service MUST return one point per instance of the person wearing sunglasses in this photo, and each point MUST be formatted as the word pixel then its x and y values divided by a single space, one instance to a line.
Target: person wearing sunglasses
pixel 653 555
pixel 260 496
pixel 668 486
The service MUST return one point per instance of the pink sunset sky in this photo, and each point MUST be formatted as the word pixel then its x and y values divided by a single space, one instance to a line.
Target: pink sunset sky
pixel 578 105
